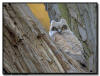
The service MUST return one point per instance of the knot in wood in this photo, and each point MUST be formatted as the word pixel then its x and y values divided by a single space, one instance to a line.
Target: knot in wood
pixel 40 36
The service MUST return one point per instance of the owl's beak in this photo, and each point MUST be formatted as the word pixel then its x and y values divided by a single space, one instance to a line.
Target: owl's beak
pixel 59 31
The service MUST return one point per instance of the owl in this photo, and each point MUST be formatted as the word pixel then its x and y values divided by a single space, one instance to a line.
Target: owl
pixel 65 39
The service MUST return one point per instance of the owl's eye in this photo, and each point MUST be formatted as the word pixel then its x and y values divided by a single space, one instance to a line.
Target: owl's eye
pixel 54 29
pixel 64 27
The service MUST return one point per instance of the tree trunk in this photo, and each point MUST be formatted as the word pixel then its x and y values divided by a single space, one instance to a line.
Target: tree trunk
pixel 27 47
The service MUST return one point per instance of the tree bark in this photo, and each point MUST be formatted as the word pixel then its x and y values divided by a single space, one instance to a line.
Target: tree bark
pixel 27 47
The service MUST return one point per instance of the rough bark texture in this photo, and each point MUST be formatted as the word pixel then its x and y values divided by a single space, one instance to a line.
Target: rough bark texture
pixel 27 48
pixel 82 20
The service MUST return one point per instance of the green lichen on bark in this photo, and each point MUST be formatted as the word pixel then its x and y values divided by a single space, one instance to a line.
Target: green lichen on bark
pixel 65 13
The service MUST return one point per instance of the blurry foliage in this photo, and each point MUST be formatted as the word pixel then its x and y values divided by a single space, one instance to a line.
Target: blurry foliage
pixel 41 14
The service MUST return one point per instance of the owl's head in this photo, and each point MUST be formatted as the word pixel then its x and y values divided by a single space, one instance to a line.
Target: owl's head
pixel 59 27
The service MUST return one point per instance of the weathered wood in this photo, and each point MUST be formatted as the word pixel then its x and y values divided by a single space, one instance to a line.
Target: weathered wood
pixel 28 48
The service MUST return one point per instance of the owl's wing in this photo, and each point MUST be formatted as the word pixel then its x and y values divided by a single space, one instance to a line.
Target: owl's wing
pixel 69 44
pixel 76 47
pixel 74 43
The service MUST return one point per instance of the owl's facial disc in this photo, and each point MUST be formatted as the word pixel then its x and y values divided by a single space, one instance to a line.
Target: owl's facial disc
pixel 64 27
pixel 54 29
pixel 59 31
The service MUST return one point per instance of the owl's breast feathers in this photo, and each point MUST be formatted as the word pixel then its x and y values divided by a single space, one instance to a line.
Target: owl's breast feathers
pixel 68 43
